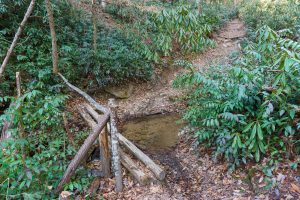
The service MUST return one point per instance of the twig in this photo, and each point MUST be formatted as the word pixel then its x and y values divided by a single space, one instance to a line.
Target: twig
pixel 69 134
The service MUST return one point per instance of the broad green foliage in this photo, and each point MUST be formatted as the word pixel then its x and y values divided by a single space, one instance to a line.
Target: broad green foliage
pixel 278 14
pixel 116 60
pixel 183 26
pixel 77 60
pixel 170 28
pixel 44 144
pixel 125 11
pixel 249 109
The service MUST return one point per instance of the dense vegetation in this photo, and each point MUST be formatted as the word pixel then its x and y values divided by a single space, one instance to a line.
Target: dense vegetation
pixel 36 156
pixel 250 109
pixel 244 111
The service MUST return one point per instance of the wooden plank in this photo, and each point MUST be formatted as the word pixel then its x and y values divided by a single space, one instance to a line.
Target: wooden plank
pixel 94 186
pixel 103 137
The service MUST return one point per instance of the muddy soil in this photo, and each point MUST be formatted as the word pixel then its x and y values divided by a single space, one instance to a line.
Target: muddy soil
pixel 155 133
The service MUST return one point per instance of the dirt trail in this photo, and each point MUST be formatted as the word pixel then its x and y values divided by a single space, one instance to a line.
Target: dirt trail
pixel 157 96
pixel 189 176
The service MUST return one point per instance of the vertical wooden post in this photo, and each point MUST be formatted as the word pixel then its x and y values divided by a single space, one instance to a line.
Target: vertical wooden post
pixel 104 152
pixel 115 146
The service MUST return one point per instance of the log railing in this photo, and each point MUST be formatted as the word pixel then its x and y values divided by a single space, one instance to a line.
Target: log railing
pixel 104 127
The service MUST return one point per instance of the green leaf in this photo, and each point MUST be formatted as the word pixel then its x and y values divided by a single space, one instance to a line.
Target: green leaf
pixel 257 155
pixel 261 146
pixel 253 132
pixel 259 132
pixel 292 114
pixel 247 128
pixel 239 142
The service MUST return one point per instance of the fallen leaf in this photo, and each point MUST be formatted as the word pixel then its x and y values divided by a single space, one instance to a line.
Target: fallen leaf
pixel 280 177
pixel 295 188
pixel 65 194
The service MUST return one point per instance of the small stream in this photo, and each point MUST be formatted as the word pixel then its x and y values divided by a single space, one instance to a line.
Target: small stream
pixel 155 132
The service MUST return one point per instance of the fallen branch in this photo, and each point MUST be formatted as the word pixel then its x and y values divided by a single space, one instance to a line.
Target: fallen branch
pixel 17 35
pixel 82 153
pixel 94 186
pixel 85 95
pixel 86 117
pixel 92 112
pixel 138 174
pixel 157 171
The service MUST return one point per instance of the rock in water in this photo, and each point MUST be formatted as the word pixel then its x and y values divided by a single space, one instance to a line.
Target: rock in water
pixel 121 92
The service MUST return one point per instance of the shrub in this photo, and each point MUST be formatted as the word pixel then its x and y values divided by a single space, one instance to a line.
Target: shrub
pixel 183 26
pixel 278 14
pixel 32 164
pixel 116 60
pixel 249 109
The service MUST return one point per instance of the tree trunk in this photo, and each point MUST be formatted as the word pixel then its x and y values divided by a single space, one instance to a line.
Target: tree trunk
pixel 20 124
pixel 53 36
pixel 17 35
pixel 115 146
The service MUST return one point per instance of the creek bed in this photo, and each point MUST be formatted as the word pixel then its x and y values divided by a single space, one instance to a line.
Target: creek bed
pixel 154 132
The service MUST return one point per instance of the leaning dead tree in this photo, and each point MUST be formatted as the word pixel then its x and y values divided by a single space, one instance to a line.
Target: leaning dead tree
pixel 17 36
pixel 98 121
pixel 53 36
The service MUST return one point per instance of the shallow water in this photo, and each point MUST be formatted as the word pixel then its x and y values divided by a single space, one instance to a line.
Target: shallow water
pixel 155 132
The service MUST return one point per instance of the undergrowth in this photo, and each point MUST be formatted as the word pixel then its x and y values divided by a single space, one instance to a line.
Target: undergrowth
pixel 278 15
pixel 250 109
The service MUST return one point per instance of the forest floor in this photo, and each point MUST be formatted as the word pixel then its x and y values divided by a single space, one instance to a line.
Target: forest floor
pixel 191 172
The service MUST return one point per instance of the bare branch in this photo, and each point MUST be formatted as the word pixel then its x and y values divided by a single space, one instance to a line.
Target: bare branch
pixel 17 35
